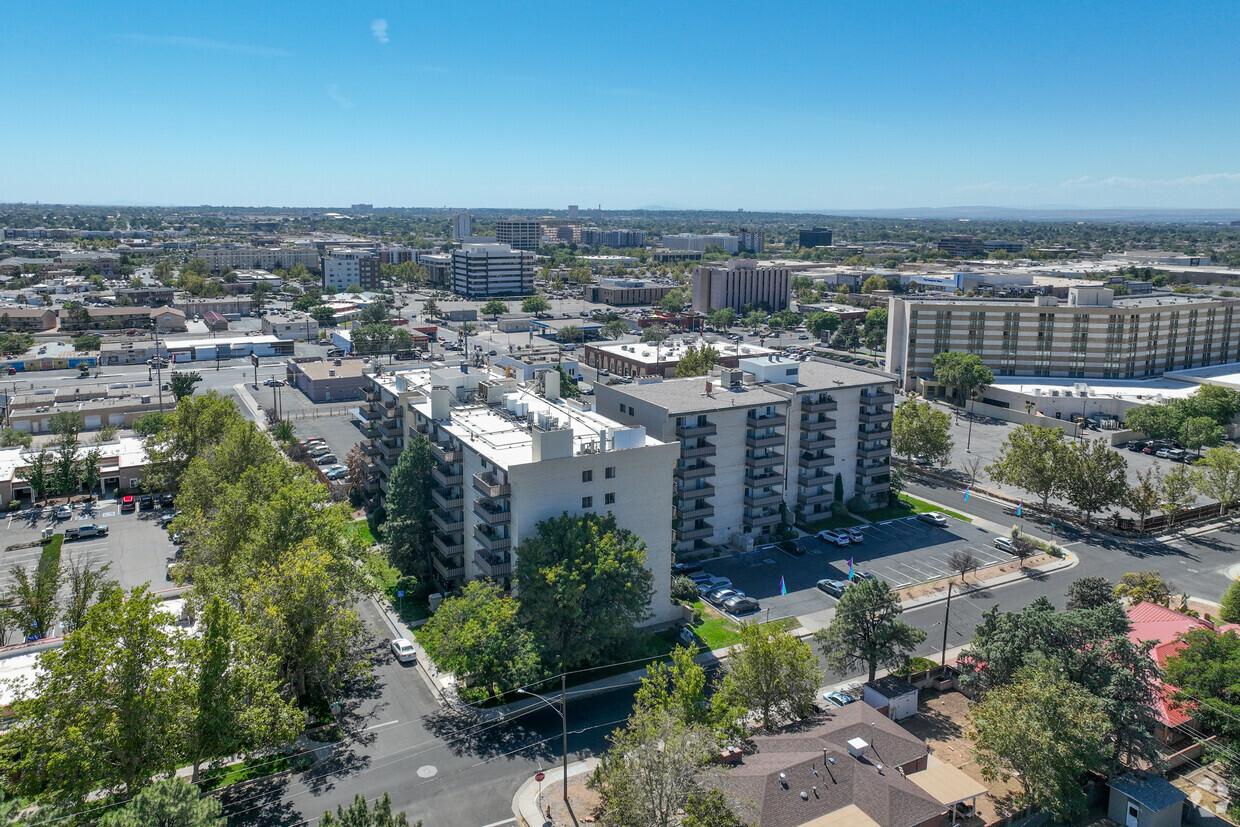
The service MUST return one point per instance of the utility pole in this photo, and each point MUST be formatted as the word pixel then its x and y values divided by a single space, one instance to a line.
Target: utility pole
pixel 159 363
pixel 947 613
pixel 564 728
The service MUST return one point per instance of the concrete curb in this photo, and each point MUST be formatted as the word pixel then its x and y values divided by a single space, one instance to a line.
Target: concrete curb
pixel 525 799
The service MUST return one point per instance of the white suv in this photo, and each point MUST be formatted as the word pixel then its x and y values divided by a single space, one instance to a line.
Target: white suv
pixel 840 538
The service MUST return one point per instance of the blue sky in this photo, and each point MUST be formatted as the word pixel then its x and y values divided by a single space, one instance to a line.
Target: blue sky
pixel 763 106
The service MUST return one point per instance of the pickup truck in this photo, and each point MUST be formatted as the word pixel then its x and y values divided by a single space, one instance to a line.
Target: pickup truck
pixel 88 530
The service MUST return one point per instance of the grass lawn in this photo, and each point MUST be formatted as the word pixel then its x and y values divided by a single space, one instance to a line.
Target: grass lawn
pixel 719 632
pixel 909 506
pixel 256 767
pixel 846 521
pixel 360 530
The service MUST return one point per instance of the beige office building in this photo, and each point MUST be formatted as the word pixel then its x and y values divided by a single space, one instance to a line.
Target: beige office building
pixel 741 282
pixel 764 444
pixel 511 455
pixel 1092 335
pixel 518 233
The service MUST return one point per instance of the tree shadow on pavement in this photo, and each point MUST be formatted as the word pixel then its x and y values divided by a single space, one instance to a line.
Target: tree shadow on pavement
pixel 464 731
pixel 260 802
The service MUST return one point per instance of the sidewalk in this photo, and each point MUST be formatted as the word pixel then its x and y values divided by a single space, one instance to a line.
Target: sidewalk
pixel 525 800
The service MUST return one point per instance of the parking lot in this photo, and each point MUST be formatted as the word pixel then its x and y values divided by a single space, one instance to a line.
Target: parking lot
pixel 135 545
pixel 901 552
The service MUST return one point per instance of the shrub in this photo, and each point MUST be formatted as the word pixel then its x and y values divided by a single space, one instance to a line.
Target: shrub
pixel 858 505
pixel 14 505
pixel 683 590
pixel 838 510
pixel 1229 604
pixel 914 665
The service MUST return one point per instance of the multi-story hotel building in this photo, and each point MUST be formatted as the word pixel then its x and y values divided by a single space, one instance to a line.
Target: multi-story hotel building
pixel 344 268
pixel 741 282
pixel 1093 335
pixel 510 455
pixel 265 258
pixel 762 444
pixel 492 270
pixel 518 233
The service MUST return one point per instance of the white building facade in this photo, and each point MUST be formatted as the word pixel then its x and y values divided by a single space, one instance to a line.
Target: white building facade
pixel 492 270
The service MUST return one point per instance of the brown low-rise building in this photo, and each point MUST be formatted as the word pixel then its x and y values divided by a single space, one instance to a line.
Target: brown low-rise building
pixel 27 318
pixel 98 406
pixel 119 318
pixel 328 380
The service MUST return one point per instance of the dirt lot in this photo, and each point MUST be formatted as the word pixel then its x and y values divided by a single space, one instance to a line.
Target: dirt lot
pixel 935 586
pixel 942 721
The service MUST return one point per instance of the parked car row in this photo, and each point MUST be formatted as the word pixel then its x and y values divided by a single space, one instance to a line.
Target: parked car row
pixel 719 592
pixel 841 536
pixel 1163 449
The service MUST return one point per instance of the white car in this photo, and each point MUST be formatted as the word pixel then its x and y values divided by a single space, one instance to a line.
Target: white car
pixel 64 512
pixel 933 518
pixel 840 538
pixel 403 650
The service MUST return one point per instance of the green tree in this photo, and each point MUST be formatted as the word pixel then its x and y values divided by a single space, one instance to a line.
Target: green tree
pixel 1179 490
pixel 709 808
pixel 494 308
pixel 39 474
pixel 571 333
pixel 362 814
pixel 1199 432
pixel 652 767
pixel 772 673
pixel 918 429
pixel 697 361
pixel 373 313
pixel 722 319
pixel 1155 421
pixel 148 425
pixel 1143 496
pixel 754 319
pixel 614 329
pixel 198 423
pixel 674 301
pixel 1229 603
pixel 535 304
pixel 655 333
pixel 90 341
pixel 874 329
pixel 1089 593
pixel 324 315
pixel 568 384
pixel 430 309
pixel 1032 459
pixel 107 709
pixel 584 587
pixel 182 383
pixel 783 320
pixel 1046 732
pixel 478 636
pixel 236 703
pixel 875 282
pixel 1217 476
pixel 371 339
pixel 1219 404
pixel 12 438
pixel 963 373
pixel 87 585
pixel 1094 477
pixel 1206 672
pixel 847 336
pixel 1143 586
pixel 32 598
pixel 407 532
pixel 66 465
pixel 867 630
pixel 170 802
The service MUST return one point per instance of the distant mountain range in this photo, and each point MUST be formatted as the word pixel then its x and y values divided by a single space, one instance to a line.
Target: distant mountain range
pixel 1046 214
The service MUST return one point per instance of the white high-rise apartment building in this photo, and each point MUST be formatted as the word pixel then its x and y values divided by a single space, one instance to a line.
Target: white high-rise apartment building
pixel 518 233
pixel 259 258
pixel 698 243
pixel 771 441
pixel 462 226
pixel 492 270
pixel 510 456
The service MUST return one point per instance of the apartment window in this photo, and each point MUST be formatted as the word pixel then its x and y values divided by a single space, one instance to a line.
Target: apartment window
pixel 587 502
pixel 610 472
pixel 587 476
pixel 630 410
pixel 609 499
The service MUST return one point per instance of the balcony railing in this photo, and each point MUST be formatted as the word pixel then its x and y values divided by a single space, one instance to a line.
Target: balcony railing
pixel 814 424
pixel 489 486
pixel 764 440
pixel 877 398
pixel 695 533
pixel 449 522
pixel 809 460
pixel 768 420
pixel 768 461
pixel 392 427
pixel 491 540
pixel 693 429
pixel 763 478
pixel 753 521
pixel 874 416
pixel 448 546
pixel 444 453
pixel 447 499
pixel 872 487
pixel 707 450
pixel 446 475
pixel 873 451
pixel 819 407
pixel 693 512
pixel 493 565
pixel 490 515
pixel 813 443
pixel 704 469
pixel 814 499
pixel 763 500
pixel 696 492
pixel 450 568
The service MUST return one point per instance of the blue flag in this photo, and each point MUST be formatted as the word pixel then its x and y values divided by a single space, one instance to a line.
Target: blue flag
pixel 966 494
pixel 783 589
pixel 1019 507
pixel 850 568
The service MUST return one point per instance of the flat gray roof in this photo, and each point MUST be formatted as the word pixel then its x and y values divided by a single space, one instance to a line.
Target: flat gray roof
pixel 681 396
pixel 820 374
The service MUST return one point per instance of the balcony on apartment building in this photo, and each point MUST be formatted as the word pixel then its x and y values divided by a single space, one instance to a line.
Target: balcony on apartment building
pixel 447 475
pixel 760 478
pixel 823 495
pixel 494 565
pixel 877 398
pixel 763 499
pixel 873 486
pixel 448 544
pixel 370 428
pixel 449 567
pixel 769 459
pixel 392 427
pixel 384 464
pixel 692 430
pixel 760 419
pixel 371 484
pixel 816 442
pixel 491 486
pixel 690 471
pixel 759 518
pixel 450 521
pixel 389 448
pixel 872 432
pixel 763 439
pixel 491 512
pixel 447 499
pixel 815 406
pixel 816 422
pixel 702 449
pixel 492 540
pixel 870 450
pixel 812 459
pixel 695 492
pixel 698 531
pixel 692 510
pixel 444 452
pixel 870 417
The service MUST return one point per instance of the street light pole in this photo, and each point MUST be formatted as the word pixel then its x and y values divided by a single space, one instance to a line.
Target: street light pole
pixel 563 713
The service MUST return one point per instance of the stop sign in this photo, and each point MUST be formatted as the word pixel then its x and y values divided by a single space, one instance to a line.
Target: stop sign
pixel 540 776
